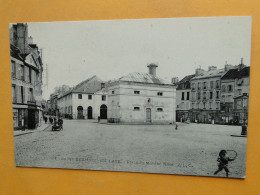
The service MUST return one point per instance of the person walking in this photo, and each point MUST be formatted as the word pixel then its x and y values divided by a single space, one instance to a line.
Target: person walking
pixel 50 120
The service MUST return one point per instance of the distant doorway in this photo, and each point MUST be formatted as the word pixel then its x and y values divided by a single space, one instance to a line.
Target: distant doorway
pixel 148 115
pixel 90 112
pixel 80 112
pixel 31 119
pixel 103 111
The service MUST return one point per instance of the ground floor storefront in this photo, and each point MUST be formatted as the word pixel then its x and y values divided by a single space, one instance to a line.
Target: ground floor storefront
pixel 212 117
pixel 26 117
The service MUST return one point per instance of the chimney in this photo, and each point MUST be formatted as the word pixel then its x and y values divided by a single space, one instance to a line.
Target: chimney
pixel 175 80
pixel 30 40
pixel 241 65
pixel 152 69
pixel 212 68
pixel 199 71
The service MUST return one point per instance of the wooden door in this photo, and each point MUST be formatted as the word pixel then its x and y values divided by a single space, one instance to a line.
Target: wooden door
pixel 148 115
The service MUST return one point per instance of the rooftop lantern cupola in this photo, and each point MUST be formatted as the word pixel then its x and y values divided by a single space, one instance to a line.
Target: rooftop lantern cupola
pixel 152 69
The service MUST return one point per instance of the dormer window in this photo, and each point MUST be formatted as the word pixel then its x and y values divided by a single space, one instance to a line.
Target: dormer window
pixel 113 92
pixel 159 94
pixel 136 92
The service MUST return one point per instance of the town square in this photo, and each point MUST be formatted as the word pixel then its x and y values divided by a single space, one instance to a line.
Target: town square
pixel 97 95
pixel 86 144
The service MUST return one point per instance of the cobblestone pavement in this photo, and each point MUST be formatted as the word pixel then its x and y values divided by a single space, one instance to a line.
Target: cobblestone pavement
pixel 191 150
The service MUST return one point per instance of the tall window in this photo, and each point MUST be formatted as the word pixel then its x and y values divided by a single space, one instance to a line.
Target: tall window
pixel 223 88
pixel 22 73
pixel 211 95
pixel 205 85
pixel 230 89
pixel 217 105
pixel 217 84
pixel 13 69
pixel 14 94
pixel 136 92
pixel 217 94
pixel 198 96
pixel 188 96
pixel 204 95
pixel 198 85
pixel 30 75
pixel 90 97
pixel 182 96
pixel 31 94
pixel 22 94
pixel 193 86
pixel 211 84
pixel 79 96
pixel 103 98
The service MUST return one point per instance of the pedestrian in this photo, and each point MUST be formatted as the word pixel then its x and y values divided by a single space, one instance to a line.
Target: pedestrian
pixel 176 127
pixel 50 120
pixel 45 119
pixel 60 123
pixel 223 160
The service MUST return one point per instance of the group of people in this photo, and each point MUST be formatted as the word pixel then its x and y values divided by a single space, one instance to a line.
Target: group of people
pixel 53 120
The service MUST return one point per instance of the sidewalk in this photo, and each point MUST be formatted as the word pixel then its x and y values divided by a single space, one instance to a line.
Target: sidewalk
pixel 27 131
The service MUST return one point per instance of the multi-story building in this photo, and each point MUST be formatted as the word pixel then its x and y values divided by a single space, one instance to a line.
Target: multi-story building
pixel 235 93
pixel 87 100
pixel 26 69
pixel 141 98
pixel 205 97
pixel 183 99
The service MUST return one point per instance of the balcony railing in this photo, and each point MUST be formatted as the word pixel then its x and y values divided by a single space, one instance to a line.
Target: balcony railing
pixel 31 101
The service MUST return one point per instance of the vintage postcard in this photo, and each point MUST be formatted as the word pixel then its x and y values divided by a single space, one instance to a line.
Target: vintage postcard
pixel 165 96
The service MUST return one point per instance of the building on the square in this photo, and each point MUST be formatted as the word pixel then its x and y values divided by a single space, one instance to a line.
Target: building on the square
pixel 140 98
pixel 87 100
pixel 235 93
pixel 26 67
pixel 205 95
pixel 183 99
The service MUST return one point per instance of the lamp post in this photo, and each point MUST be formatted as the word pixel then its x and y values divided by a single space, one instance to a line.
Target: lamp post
pixel 244 126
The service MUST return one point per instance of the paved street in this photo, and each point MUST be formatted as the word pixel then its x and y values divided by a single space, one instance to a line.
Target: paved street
pixel 192 149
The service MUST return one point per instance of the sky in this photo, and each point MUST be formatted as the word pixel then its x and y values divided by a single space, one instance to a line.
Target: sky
pixel 110 49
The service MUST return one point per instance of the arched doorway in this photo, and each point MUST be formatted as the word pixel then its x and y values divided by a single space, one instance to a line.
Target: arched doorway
pixel 90 112
pixel 103 111
pixel 80 112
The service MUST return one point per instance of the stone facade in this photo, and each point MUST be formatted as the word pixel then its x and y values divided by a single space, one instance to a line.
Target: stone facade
pixel 87 100
pixel 140 98
pixel 26 67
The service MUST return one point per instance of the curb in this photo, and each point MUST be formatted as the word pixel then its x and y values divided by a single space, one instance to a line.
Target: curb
pixel 32 131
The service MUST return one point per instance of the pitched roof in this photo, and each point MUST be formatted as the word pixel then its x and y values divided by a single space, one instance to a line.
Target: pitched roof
pixel 85 87
pixel 210 73
pixel 185 82
pixel 143 78
pixel 15 52
pixel 236 73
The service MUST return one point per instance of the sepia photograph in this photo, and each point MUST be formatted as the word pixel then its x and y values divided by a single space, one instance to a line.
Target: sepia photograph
pixel 165 96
